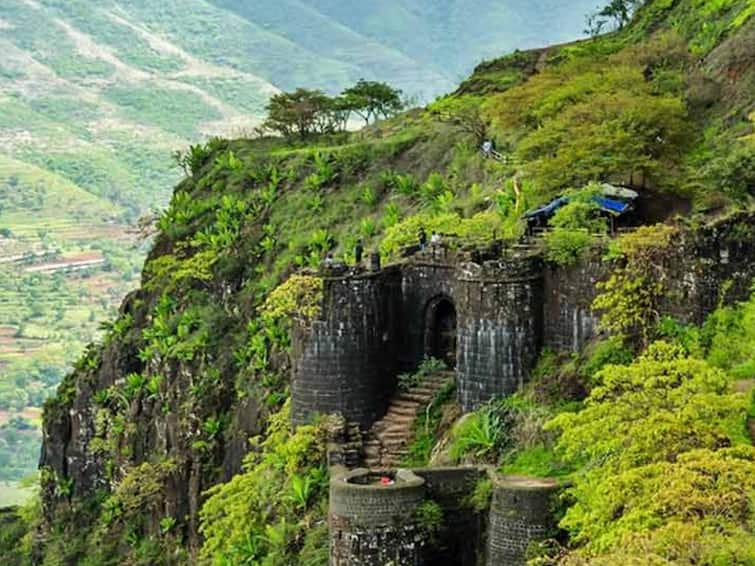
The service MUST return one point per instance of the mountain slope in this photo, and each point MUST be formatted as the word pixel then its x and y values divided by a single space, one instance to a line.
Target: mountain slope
pixel 163 409
pixel 95 96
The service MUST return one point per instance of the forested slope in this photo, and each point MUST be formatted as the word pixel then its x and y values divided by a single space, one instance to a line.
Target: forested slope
pixel 95 96
pixel 196 364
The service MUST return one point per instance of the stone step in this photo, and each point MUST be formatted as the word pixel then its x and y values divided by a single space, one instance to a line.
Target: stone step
pixel 385 445
pixel 391 445
pixel 414 398
pixel 411 397
pixel 393 461
pixel 404 422
pixel 404 419
pixel 372 453
pixel 404 404
pixel 435 382
pixel 393 420
pixel 394 430
pixel 425 391
pixel 394 435
pixel 402 411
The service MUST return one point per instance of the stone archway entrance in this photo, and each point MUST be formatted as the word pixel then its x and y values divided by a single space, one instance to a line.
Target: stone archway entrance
pixel 440 330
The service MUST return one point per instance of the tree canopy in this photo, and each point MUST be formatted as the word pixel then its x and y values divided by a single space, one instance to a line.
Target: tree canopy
pixel 675 468
pixel 616 14
pixel 372 100
pixel 305 112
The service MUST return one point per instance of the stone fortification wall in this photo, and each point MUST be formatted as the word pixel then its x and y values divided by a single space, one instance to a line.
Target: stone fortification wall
pixel 500 328
pixel 703 267
pixel 421 283
pixel 460 541
pixel 569 322
pixel 499 321
pixel 521 513
pixel 344 362
pixel 375 525
pixel 709 265
pixel 376 324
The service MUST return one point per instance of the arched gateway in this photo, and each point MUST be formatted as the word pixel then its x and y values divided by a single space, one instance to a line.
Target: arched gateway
pixel 440 330
pixel 484 320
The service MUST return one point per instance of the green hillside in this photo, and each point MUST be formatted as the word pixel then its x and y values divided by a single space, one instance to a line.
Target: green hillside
pixel 95 97
pixel 159 467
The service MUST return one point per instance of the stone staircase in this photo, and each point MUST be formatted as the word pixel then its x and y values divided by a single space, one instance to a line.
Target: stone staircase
pixel 387 441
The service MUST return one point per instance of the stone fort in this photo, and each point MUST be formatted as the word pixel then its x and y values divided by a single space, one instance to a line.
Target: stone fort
pixel 488 313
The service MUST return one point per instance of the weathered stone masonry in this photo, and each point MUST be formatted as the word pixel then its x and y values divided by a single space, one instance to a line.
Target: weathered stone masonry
pixel 345 362
pixel 521 513
pixel 375 324
pixel 504 310
pixel 375 525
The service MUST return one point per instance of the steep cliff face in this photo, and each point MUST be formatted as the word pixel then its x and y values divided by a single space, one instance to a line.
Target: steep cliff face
pixel 165 407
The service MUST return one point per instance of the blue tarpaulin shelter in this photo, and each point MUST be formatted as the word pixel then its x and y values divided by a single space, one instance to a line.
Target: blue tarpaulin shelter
pixel 612 206
pixel 548 209
pixel 620 201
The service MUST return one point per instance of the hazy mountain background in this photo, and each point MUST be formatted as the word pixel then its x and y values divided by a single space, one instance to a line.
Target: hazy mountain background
pixel 95 95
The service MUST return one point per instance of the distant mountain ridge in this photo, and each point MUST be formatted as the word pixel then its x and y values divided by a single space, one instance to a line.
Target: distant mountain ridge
pixel 100 92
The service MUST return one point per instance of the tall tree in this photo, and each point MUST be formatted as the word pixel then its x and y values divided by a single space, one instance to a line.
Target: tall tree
pixel 301 112
pixel 372 100
pixel 617 13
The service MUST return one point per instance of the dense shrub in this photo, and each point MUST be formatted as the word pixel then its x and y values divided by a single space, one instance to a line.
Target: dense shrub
pixel 264 513
pixel 670 416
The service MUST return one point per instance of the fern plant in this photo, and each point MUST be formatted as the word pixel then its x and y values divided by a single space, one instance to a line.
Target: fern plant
pixel 406 184
pixel 301 491
pixel 392 215
pixel 480 436
pixel 369 196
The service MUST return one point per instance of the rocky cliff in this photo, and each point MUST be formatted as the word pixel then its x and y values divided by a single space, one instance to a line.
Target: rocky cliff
pixel 198 359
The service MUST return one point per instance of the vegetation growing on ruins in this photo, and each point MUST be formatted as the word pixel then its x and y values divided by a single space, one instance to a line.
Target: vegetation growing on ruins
pixel 238 521
pixel 678 410
pixel 97 94
pixel 206 338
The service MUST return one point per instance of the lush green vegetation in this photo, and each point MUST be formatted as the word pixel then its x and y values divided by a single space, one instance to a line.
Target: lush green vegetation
pixel 207 337
pixel 669 416
pixel 238 522
pixel 678 410
pixel 116 88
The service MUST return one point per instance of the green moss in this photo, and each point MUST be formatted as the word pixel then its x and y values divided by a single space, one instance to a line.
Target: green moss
pixel 481 496
pixel 538 461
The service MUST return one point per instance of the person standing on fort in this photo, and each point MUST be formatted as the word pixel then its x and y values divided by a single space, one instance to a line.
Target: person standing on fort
pixel 422 237
pixel 358 251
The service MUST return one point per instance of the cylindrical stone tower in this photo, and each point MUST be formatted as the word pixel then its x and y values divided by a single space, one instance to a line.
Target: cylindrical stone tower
pixel 521 513
pixel 344 360
pixel 372 524
pixel 499 328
